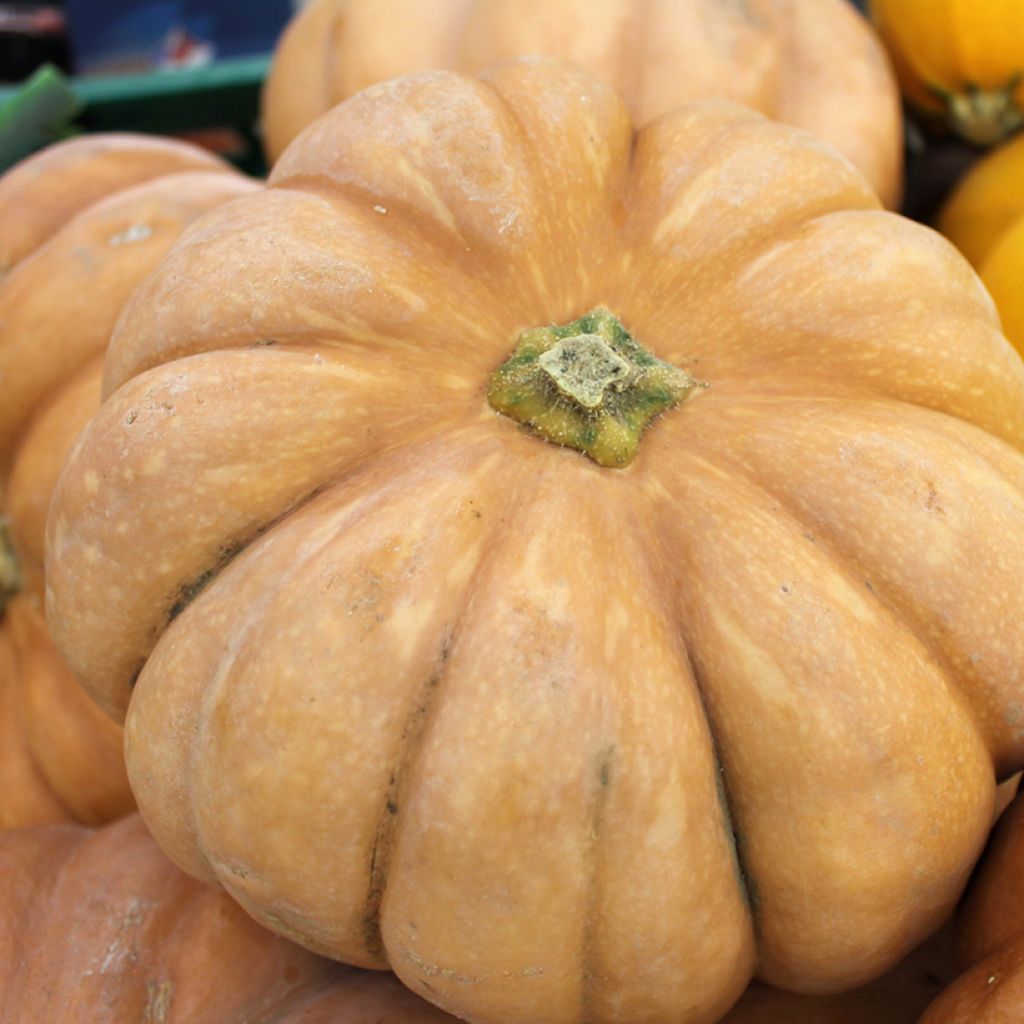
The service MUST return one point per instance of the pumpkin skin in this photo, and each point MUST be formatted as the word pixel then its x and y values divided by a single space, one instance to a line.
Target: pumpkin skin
pixel 101 927
pixel 558 742
pixel 986 202
pixel 990 935
pixel 960 61
pixel 812 63
pixel 1001 272
pixel 898 997
pixel 69 266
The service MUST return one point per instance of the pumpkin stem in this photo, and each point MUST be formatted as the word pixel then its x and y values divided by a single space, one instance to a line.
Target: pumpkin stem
pixel 10 573
pixel 587 385
pixel 983 117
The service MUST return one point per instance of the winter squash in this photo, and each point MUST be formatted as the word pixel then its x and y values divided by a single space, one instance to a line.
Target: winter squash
pixel 812 63
pixel 898 997
pixel 1001 272
pixel 986 203
pixel 599 566
pixel 84 222
pixel 99 927
pixel 961 61
pixel 990 936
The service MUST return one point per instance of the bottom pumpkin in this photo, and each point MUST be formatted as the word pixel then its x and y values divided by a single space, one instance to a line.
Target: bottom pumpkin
pixel 98 927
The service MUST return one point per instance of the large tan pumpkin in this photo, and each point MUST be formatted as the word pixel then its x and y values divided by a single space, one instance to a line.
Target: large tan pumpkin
pixel 100 928
pixel 812 63
pixel 83 223
pixel 557 740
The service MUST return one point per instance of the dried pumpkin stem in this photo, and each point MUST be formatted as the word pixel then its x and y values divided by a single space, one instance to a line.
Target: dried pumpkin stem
pixel 983 117
pixel 587 385
pixel 10 572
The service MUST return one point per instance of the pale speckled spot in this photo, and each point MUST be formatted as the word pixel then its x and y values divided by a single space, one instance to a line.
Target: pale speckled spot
pixel 91 554
pixel 92 481
pixel 122 527
pixel 616 628
pixel 406 624
pixel 155 464
pixel 459 570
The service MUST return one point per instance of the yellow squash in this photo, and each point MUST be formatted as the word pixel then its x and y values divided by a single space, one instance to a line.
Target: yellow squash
pixel 962 60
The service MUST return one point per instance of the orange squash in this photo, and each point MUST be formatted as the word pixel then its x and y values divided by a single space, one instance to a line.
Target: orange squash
pixel 986 202
pixel 557 735
pixel 959 60
pixel 100 927
pixel 898 997
pixel 84 222
pixel 990 936
pixel 812 63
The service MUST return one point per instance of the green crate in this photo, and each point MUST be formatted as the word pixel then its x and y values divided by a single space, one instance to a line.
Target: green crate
pixel 173 101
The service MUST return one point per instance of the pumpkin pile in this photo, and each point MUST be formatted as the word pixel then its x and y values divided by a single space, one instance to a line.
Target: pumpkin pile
pixel 557 539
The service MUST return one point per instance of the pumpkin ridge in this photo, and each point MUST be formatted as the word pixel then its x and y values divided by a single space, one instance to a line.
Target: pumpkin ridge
pixel 413 735
pixel 350 514
pixel 421 229
pixel 897 604
pixel 785 952
pixel 658 554
pixel 826 540
pixel 229 549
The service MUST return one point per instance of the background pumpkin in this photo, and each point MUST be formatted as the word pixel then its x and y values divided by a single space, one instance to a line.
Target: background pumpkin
pixel 397 674
pixel 990 936
pixel 986 202
pixel 812 63
pixel 959 60
pixel 1001 271
pixel 84 222
pixel 100 927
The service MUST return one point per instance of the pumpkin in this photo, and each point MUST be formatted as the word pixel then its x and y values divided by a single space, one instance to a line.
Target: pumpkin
pixel 84 222
pixel 812 63
pixel 960 61
pixel 99 927
pixel 898 997
pixel 1001 272
pixel 990 935
pixel 986 202
pixel 598 568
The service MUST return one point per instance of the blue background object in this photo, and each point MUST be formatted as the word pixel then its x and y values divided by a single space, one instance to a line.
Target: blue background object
pixel 127 34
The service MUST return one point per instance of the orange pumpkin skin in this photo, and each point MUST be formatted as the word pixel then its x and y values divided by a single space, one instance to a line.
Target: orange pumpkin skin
pixel 986 203
pixel 101 927
pixel 557 741
pixel 898 997
pixel 1001 272
pixel 960 60
pixel 812 63
pixel 990 935
pixel 120 202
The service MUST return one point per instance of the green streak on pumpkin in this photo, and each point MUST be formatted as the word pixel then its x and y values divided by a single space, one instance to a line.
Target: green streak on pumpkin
pixel 587 385
pixel 10 571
